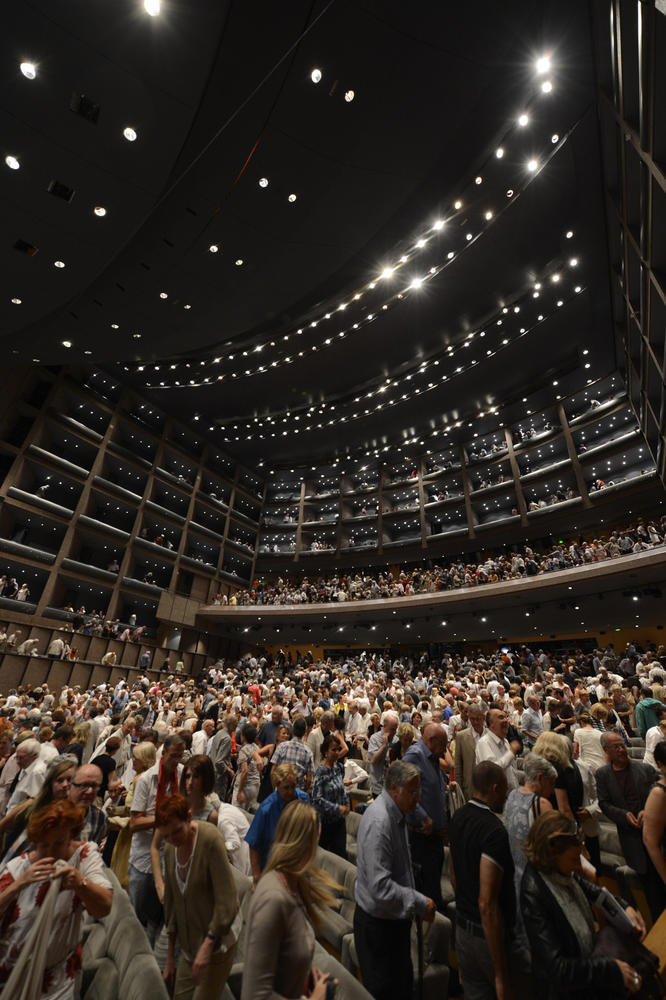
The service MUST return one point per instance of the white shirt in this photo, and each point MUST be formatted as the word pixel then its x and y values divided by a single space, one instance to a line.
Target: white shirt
pixel 199 742
pixel 492 747
pixel 653 736
pixel 233 824
pixel 29 784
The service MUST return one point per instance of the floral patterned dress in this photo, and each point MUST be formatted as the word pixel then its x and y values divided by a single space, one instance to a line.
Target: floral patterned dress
pixel 63 954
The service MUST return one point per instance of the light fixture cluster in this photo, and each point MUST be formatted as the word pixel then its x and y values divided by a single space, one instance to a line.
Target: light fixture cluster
pixel 510 323
pixel 483 198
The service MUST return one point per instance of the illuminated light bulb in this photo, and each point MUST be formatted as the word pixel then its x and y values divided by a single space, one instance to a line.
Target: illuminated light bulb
pixel 555 278
pixel 577 289
pixel 416 283
pixel 532 165
pixel 509 193
pixel 387 272
pixel 478 180
pixel 457 205
pixel 439 224
pixel 488 216
pixel 114 326
pixel 164 295
pixel 152 7
pixel 16 301
pixel 542 65
pixel 573 262
pixel 315 75
pixel 29 70
pixel 129 133
pixel 569 234
pixel 469 236
pixel 59 263
pixel 99 211
pixel 239 262
pixel 554 138
pixel 263 182
pixel 546 87
pixel 523 120
pixel 292 197
pixel 12 162
pixel 349 96
pixel 499 153
pixel 420 244
pixel 66 343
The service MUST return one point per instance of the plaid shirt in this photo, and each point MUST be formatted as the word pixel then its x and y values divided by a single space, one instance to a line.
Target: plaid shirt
pixel 329 791
pixel 297 753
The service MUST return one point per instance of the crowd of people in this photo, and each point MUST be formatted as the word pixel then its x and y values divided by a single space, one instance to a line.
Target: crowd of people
pixel 512 762
pixel 515 565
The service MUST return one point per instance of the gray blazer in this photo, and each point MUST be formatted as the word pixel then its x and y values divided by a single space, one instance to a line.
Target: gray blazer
pixel 614 806
pixel 465 760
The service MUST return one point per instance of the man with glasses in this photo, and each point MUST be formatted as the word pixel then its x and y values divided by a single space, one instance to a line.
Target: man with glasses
pixel 623 786
pixel 83 791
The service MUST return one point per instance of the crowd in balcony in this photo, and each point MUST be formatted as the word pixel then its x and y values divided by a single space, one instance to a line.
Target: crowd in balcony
pixel 512 565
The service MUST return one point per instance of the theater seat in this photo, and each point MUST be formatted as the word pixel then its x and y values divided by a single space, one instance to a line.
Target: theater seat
pixel 352 823
pixel 336 923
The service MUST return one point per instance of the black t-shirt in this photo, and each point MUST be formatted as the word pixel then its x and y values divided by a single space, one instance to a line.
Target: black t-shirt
pixel 107 766
pixel 474 831
pixel 569 779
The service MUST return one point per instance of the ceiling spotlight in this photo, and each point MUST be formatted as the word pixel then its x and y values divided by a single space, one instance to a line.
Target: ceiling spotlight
pixel 555 278
pixel 532 165
pixel 16 302
pixel 387 272
pixel 439 224
pixel 114 326
pixel 66 343
pixel 29 70
pixel 315 75
pixel 488 216
pixel 509 193
pixel 499 153
pixel 573 262
pixel 546 86
pixel 554 138
pixel 569 234
pixel 152 7
pixel 59 263
pixel 543 65
pixel 136 336
pixel 164 295
pixel 213 248
pixel 292 197
pixel 457 205
pixel 349 96
pixel 98 210
pixel 239 262
pixel 478 180
pixel 263 182
pixel 523 120
pixel 129 133
pixel 416 283
pixel 12 162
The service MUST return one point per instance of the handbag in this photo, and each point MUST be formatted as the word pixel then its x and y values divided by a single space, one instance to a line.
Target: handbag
pixel 611 943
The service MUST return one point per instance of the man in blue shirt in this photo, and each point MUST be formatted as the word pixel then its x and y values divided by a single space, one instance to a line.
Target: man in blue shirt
pixel 386 898
pixel 262 830
pixel 428 820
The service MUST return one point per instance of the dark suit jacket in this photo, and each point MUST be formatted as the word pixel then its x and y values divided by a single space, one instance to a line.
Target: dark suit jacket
pixel 613 805
pixel 465 759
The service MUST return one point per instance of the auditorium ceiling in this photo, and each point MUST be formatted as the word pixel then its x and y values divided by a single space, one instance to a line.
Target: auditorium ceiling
pixel 311 227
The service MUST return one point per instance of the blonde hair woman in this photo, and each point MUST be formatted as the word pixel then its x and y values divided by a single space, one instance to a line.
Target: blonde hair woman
pixel 143 757
pixel 280 933
pixel 568 796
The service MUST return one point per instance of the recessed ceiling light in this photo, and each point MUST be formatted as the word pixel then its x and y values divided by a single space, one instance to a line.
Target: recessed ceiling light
pixel 152 7
pixel 569 234
pixel 66 343
pixel 542 64
pixel 16 302
pixel 546 86
pixel 292 197
pixel 136 336
pixel 239 262
pixel 478 180
pixel 532 165
pixel 523 120
pixel 12 162
pixel 187 306
pixel 29 70
pixel 349 96
pixel 213 248
pixel 499 153
pixel 129 133
pixel 554 138
pixel 488 216
pixel 164 295
pixel 114 326
pixel 99 210
pixel 315 75
pixel 263 182
pixel 457 204
pixel 59 263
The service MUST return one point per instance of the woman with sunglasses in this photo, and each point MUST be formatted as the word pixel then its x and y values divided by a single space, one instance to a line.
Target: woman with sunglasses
pixel 557 913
